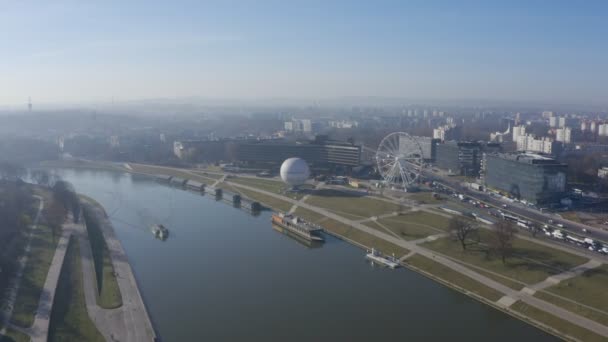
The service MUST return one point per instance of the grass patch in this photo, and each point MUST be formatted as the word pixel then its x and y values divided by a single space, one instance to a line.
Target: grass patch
pixel 450 276
pixel 409 226
pixel 365 239
pixel 576 308
pixel 531 263
pixel 43 247
pixel 556 323
pixel 500 279
pixel 69 318
pixel 268 201
pixel 309 215
pixel 589 288
pixel 185 174
pixel 108 293
pixel 356 204
pixel 570 215
pixel 263 184
pixel 273 186
pixel 13 335
pixel 424 197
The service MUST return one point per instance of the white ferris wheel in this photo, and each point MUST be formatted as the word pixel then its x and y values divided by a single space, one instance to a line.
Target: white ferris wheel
pixel 400 160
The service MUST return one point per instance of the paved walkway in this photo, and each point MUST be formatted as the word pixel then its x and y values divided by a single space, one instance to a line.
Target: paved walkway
pixel 6 310
pixel 515 295
pixel 39 330
pixel 556 279
pixel 131 321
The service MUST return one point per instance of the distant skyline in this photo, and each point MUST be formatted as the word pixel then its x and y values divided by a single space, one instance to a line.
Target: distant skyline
pixel 65 52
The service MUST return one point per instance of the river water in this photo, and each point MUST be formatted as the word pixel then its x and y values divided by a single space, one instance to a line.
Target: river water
pixel 225 275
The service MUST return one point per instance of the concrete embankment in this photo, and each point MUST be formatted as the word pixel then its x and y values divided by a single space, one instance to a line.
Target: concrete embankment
pixel 131 321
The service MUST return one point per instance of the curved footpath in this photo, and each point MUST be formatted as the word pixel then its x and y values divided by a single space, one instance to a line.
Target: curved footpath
pixel 131 321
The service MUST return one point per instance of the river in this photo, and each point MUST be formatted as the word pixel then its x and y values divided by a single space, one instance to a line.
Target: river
pixel 225 275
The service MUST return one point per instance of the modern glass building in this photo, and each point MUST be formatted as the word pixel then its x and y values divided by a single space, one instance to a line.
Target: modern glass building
pixel 322 153
pixel 460 158
pixel 535 178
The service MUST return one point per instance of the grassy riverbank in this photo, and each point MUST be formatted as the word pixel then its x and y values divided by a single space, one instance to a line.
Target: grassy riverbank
pixel 43 247
pixel 555 323
pixel 69 318
pixel 107 287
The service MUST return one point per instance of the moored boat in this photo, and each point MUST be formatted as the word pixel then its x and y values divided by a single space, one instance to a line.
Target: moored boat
pixel 377 257
pixel 298 226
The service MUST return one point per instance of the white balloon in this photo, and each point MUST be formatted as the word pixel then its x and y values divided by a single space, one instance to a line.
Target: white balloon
pixel 294 171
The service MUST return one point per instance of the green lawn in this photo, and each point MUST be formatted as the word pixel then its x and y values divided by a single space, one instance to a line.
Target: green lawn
pixel 415 225
pixel 13 335
pixel 34 275
pixel 309 215
pixel 261 183
pixel 425 197
pixel 350 205
pixel 69 318
pixel 590 288
pixel 273 186
pixel 450 276
pixel 366 240
pixel 107 287
pixel 556 323
pixel 530 264
pixel 156 170
pixel 268 201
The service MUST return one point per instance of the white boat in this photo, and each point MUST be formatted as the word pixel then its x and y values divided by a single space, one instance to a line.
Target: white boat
pixel 377 257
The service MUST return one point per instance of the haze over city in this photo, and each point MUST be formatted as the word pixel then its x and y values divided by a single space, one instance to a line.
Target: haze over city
pixel 74 52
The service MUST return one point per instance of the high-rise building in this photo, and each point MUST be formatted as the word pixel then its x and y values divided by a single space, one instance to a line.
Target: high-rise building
pixel 553 121
pixel 547 114
pixel 535 178
pixel 517 131
pixel 564 135
pixel 528 142
pixel 602 130
pixel 460 158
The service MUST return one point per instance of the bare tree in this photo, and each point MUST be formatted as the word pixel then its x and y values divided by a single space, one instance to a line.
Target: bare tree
pixel 463 230
pixel 502 243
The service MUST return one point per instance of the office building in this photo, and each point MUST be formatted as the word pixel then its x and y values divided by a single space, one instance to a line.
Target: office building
pixel 531 177
pixel 459 158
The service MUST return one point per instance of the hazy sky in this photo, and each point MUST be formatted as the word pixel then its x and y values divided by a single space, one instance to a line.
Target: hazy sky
pixel 64 51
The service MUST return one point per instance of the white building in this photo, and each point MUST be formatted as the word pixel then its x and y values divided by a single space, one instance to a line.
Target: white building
pixel 553 121
pixel 518 131
pixel 529 143
pixel 603 130
pixel 564 135
pixel 547 114
pixel 603 172
pixel 289 126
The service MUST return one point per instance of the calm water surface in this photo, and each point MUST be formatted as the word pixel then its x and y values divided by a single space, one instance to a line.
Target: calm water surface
pixel 224 275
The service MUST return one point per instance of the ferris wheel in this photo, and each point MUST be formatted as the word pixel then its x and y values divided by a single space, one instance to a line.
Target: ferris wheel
pixel 399 159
